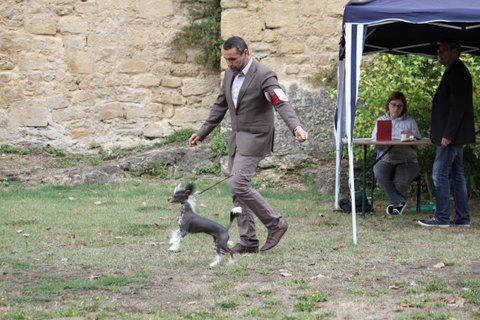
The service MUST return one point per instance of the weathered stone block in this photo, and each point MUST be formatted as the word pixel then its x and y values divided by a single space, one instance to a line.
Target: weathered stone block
pixel 246 24
pixel 183 70
pixel 134 111
pixel 270 36
pixel 41 24
pixel 185 117
pixel 64 7
pixel 167 97
pixel 161 110
pixel 115 4
pixel 88 7
pixel 12 94
pixel 146 80
pixel 195 87
pixel 290 46
pixel 12 14
pixel 170 82
pixel 157 129
pixel 132 66
pixel 292 69
pixel 3 119
pixel 194 101
pixel 6 63
pixel 29 114
pixel 110 111
pixel 6 77
pixel 155 8
pixel 80 133
pixel 310 8
pixel 66 115
pixel 80 62
pixel 74 43
pixel 71 24
pixel 280 14
pixel 228 4
pixel 132 95
pixel 334 8
pixel 35 61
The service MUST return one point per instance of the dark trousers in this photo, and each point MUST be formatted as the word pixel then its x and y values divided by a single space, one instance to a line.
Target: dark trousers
pixel 252 203
pixel 395 179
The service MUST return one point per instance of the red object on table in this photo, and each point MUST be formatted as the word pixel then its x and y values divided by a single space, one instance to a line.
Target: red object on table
pixel 384 130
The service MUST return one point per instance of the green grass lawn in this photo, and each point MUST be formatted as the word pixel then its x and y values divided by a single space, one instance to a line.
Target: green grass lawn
pixel 100 252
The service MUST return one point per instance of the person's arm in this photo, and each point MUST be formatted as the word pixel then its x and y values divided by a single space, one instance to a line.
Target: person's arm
pixel 217 113
pixel 278 98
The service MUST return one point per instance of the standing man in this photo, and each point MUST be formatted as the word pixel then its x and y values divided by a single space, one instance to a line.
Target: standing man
pixel 250 91
pixel 452 126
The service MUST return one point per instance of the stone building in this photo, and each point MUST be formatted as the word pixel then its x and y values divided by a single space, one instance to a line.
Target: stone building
pixel 78 73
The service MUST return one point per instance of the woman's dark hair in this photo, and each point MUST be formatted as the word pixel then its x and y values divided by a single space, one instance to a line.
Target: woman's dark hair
pixel 237 43
pixel 397 95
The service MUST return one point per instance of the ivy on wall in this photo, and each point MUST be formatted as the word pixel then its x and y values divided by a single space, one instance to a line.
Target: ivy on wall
pixel 203 33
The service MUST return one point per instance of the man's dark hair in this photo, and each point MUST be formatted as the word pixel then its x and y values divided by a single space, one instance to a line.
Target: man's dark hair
pixel 237 43
pixel 452 44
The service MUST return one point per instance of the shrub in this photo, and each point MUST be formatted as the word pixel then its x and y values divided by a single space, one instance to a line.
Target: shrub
pixel 7 148
pixel 203 33
pixel 178 137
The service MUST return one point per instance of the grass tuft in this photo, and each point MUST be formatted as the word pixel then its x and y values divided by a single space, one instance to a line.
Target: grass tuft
pixel 309 303
pixel 471 294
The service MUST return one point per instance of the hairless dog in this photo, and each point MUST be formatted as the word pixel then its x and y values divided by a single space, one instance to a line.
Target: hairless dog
pixel 190 222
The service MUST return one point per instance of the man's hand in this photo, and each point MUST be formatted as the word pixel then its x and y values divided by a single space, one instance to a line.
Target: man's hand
pixel 446 142
pixel 192 141
pixel 300 134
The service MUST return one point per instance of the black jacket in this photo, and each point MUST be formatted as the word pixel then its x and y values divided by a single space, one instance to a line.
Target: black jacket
pixel 452 107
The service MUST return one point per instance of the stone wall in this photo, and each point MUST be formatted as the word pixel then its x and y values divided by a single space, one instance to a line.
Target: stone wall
pixel 78 73
pixel 297 39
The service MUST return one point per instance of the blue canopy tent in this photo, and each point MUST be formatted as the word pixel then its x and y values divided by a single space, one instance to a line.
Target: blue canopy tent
pixel 396 27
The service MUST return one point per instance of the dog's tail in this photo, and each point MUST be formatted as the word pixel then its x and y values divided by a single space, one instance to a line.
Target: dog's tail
pixel 233 214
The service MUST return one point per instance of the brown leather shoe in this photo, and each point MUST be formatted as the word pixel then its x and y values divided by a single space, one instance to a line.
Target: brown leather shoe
pixel 240 248
pixel 274 237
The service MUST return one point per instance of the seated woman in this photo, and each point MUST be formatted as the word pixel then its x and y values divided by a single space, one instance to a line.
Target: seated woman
pixel 397 169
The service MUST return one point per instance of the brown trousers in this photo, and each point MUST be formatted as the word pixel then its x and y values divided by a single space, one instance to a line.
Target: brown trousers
pixel 252 203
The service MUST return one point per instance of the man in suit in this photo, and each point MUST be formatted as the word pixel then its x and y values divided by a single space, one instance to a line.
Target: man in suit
pixel 250 91
pixel 452 126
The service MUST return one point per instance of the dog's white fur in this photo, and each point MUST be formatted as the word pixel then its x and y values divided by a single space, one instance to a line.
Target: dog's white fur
pixel 216 260
pixel 175 240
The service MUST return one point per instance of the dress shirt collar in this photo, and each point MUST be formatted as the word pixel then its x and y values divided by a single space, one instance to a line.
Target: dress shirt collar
pixel 246 68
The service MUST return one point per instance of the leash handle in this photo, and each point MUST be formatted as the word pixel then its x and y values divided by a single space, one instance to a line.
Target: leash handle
pixel 213 185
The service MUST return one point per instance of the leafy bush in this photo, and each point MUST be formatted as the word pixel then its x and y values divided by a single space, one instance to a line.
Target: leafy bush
pixel 57 152
pixel 7 148
pixel 213 168
pixel 178 137
pixel 203 33
pixel 219 143
pixel 156 169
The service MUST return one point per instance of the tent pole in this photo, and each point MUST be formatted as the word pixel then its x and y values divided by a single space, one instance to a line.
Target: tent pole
pixel 340 130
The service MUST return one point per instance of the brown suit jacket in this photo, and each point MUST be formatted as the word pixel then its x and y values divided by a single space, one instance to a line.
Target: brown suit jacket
pixel 253 119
